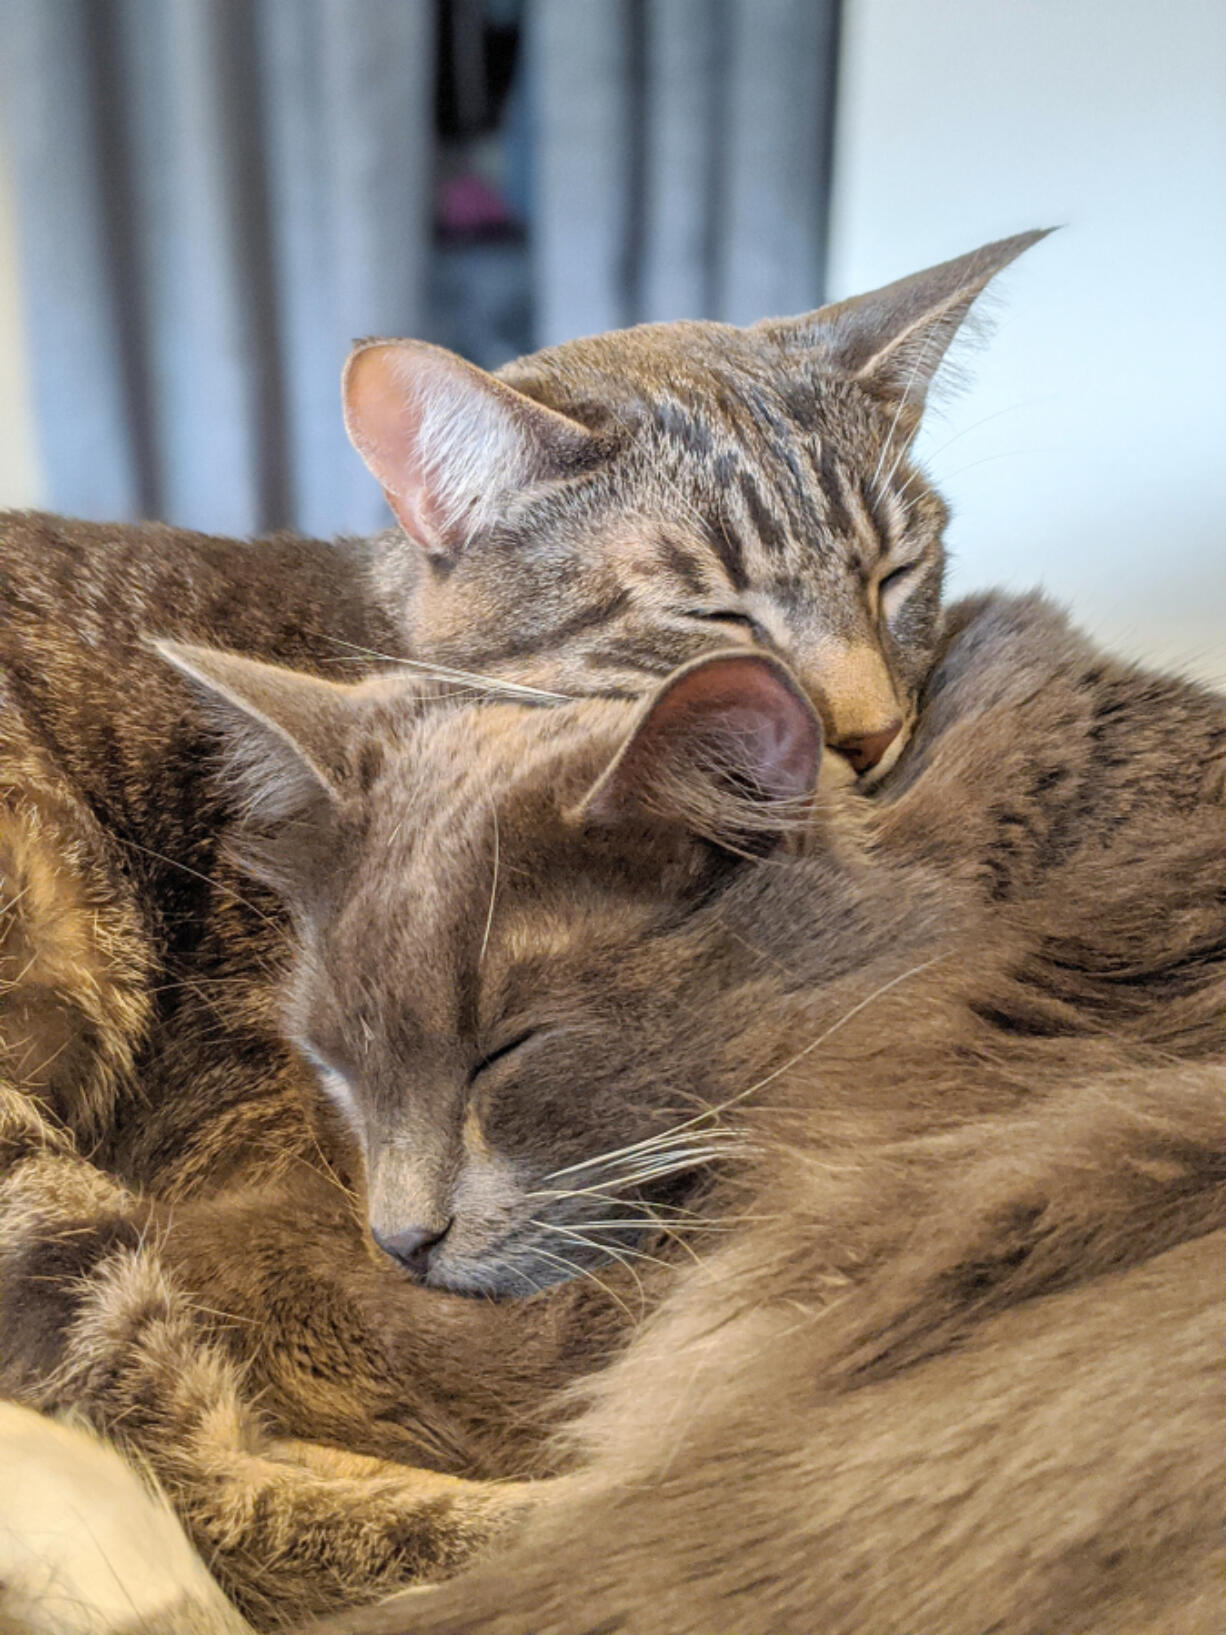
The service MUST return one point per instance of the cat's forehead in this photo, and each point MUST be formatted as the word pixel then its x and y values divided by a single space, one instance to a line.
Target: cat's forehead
pixel 701 387
pixel 455 767
pixel 770 468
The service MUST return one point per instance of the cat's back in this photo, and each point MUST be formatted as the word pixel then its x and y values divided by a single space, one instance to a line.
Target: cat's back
pixel 105 587
pixel 80 602
pixel 1031 716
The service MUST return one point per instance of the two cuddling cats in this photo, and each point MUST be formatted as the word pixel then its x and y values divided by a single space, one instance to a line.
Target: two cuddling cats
pixel 602 984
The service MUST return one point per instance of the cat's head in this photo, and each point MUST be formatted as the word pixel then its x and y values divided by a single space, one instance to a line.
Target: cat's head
pixel 598 513
pixel 535 946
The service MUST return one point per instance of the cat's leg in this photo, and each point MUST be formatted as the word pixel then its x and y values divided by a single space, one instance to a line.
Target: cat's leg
pixel 74 955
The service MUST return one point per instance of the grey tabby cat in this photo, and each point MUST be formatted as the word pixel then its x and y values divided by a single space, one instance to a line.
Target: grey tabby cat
pixel 942 1076
pixel 945 1075
pixel 601 511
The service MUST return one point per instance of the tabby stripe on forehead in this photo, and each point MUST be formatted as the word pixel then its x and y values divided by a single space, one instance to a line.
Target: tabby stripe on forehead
pixel 591 617
pixel 874 504
pixel 684 428
pixel 832 489
pixel 764 525
pixel 728 549
pixel 680 562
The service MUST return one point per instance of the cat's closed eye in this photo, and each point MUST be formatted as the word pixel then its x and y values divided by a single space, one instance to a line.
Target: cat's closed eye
pixel 894 587
pixel 502 1052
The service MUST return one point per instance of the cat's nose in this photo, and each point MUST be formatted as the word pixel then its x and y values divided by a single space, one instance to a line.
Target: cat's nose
pixel 412 1246
pixel 864 750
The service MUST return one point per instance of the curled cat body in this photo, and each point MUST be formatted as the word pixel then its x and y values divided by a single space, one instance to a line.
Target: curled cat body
pixel 950 1067
pixel 931 1087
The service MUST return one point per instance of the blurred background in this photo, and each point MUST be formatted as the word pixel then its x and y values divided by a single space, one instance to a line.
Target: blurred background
pixel 202 202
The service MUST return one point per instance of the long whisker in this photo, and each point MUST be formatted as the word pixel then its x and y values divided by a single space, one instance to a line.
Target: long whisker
pixel 489 918
pixel 572 1269
pixel 446 672
pixel 668 1143
pixel 691 1158
pixel 650 1143
pixel 617 1251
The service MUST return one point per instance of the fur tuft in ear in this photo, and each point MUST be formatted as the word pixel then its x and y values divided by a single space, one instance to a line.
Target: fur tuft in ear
pixel 289 737
pixel 893 339
pixel 729 747
pixel 449 443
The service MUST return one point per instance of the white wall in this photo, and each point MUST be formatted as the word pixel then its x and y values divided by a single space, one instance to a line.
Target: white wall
pixel 20 477
pixel 1090 453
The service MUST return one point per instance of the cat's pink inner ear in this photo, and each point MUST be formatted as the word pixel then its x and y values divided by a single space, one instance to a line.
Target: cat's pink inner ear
pixel 734 728
pixel 448 443
pixel 385 390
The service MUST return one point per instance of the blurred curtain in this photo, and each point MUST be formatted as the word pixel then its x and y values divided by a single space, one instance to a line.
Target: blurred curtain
pixel 683 159
pixel 215 197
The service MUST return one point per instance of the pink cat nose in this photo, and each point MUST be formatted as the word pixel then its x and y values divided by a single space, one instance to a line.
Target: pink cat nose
pixel 411 1247
pixel 866 749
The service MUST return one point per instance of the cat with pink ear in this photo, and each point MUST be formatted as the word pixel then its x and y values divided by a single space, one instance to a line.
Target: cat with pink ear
pixel 600 512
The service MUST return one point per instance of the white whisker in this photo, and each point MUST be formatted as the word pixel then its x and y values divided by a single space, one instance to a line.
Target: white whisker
pixel 445 672
pixel 489 918
pixel 572 1269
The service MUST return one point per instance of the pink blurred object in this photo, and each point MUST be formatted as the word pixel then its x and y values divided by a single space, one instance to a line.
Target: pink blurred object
pixel 468 204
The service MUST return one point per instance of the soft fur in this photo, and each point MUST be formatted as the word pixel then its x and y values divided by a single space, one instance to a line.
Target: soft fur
pixel 956 1363
pixel 179 1236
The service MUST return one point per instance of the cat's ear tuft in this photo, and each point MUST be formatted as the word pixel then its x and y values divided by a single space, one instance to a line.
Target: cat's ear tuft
pixel 893 340
pixel 450 444
pixel 729 748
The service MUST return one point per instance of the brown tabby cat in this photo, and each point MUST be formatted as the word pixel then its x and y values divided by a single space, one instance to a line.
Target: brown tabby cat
pixel 606 508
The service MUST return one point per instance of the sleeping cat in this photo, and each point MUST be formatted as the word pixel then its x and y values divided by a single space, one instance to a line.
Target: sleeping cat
pixel 751 484
pixel 603 511
pixel 952 1359
pixel 643 952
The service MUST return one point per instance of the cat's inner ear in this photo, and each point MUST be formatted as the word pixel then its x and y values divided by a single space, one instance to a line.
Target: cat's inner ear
pixel 729 748
pixel 450 444
pixel 893 340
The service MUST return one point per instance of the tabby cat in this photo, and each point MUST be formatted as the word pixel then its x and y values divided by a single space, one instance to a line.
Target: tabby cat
pixel 600 512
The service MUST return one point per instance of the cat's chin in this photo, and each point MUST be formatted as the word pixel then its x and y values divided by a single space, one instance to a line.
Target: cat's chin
pixel 502 1279
pixel 480 1283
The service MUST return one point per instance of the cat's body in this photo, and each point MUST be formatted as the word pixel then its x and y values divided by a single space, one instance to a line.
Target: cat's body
pixel 956 1362
pixel 1003 899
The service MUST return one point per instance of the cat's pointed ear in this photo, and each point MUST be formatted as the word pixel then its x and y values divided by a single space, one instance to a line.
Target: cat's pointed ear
pixel 729 748
pixel 300 726
pixel 289 739
pixel 449 443
pixel 893 339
